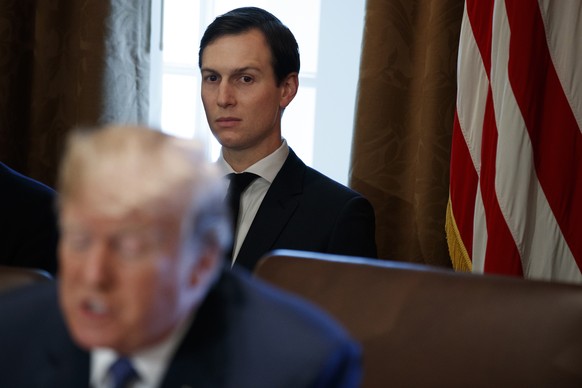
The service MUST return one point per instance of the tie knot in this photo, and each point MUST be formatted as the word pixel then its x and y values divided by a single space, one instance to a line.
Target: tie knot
pixel 239 182
pixel 122 372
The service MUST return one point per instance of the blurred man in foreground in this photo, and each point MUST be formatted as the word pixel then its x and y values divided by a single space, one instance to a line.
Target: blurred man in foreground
pixel 142 296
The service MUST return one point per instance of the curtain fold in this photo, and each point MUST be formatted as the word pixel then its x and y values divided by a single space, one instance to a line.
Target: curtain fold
pixel 404 120
pixel 66 63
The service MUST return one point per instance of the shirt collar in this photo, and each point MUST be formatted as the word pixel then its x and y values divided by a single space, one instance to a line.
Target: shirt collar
pixel 150 363
pixel 267 168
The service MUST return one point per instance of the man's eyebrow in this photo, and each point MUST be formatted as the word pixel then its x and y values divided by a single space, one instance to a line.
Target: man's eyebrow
pixel 234 71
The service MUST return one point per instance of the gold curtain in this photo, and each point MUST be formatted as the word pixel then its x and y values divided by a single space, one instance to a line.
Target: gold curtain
pixel 404 120
pixel 65 63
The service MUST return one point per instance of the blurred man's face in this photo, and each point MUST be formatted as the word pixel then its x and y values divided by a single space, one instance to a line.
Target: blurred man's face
pixel 242 100
pixel 122 277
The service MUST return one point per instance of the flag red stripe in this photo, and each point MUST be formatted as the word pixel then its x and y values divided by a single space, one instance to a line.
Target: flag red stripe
pixel 555 136
pixel 463 189
pixel 502 255
pixel 480 14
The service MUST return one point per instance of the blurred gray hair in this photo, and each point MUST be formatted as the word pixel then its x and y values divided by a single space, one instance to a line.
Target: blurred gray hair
pixel 140 169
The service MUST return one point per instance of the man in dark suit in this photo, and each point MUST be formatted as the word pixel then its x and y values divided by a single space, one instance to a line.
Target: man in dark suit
pixel 28 223
pixel 142 294
pixel 249 63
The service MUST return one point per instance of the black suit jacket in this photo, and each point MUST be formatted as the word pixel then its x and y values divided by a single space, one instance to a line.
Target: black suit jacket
pixel 245 334
pixel 305 210
pixel 28 222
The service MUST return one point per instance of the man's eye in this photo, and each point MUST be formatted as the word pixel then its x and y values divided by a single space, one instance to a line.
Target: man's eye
pixel 211 78
pixel 246 79
pixel 130 246
pixel 78 242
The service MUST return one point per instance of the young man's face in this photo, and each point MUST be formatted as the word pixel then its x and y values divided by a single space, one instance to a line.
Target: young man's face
pixel 122 284
pixel 242 100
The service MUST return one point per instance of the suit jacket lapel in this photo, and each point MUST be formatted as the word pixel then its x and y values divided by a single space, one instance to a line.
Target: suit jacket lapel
pixel 275 211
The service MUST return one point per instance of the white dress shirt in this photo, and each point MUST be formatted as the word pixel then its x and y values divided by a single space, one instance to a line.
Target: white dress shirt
pixel 251 199
pixel 150 364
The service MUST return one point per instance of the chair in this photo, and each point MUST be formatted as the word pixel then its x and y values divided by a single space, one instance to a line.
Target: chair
pixel 421 326
pixel 13 277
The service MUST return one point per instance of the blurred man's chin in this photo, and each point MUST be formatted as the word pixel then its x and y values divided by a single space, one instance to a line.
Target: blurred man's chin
pixel 91 339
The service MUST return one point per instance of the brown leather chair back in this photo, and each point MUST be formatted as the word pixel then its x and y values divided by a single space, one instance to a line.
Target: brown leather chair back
pixel 421 326
pixel 12 277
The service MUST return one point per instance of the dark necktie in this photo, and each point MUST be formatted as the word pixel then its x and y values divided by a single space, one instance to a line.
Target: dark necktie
pixel 122 373
pixel 238 184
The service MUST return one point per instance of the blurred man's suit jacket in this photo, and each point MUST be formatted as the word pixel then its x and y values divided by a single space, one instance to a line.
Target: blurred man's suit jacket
pixel 245 335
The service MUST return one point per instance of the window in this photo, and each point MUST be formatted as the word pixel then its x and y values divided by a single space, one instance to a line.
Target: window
pixel 317 124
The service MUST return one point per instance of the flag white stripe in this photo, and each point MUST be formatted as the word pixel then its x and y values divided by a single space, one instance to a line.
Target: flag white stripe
pixel 521 199
pixel 479 234
pixel 473 85
pixel 564 33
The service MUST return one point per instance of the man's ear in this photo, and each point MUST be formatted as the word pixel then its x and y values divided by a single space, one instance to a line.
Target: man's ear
pixel 289 88
pixel 206 266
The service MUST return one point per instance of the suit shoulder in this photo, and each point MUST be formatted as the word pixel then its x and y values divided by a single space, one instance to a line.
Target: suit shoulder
pixel 23 196
pixel 316 180
pixel 283 315
pixel 17 184
pixel 252 335
pixel 30 318
pixel 28 305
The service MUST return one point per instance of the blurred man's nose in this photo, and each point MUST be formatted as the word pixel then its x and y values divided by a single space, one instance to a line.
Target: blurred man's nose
pixel 98 265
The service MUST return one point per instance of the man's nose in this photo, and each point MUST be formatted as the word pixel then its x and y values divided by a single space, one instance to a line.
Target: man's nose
pixel 98 265
pixel 226 96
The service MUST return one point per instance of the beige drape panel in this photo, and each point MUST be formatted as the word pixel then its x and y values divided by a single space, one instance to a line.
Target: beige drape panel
pixel 65 63
pixel 404 120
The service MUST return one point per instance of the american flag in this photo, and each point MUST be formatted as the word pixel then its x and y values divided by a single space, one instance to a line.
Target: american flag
pixel 515 204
